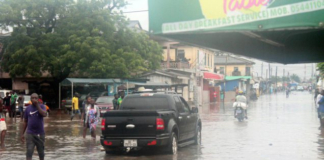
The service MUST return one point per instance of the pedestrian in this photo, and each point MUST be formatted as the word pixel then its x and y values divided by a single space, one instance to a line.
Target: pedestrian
pixel 21 105
pixel 236 91
pixel 315 96
pixel 85 114
pixel 318 98
pixel 75 106
pixel 92 118
pixel 120 99
pixel 40 99
pixel 3 125
pixel 115 102
pixel 13 100
pixel 6 101
pixel 321 109
pixel 34 123
pixel 287 92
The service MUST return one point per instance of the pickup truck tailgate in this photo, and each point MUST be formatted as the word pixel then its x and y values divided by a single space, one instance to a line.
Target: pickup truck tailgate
pixel 130 124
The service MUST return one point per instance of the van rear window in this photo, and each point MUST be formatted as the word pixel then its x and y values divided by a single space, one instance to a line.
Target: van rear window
pixel 145 103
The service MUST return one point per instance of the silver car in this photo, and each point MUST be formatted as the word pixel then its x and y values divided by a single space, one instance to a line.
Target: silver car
pixel 26 103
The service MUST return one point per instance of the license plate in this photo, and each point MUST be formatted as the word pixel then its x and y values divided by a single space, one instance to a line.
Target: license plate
pixel 130 143
pixel 102 111
pixel 238 111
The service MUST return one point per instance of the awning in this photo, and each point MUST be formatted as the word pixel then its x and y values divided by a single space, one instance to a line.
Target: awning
pixel 83 81
pixel 284 31
pixel 213 76
pixel 231 78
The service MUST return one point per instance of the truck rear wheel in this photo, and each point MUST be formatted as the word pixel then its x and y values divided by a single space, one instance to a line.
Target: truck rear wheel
pixel 173 144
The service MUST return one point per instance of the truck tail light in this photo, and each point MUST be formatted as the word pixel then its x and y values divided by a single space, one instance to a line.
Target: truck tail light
pixel 103 123
pixel 159 124
pixel 107 143
pixel 153 143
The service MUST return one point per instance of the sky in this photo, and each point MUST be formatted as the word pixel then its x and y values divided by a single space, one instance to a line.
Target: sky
pixel 299 69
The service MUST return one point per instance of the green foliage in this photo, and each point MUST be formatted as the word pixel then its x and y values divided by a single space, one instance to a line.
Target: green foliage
pixel 320 68
pixel 83 38
pixel 295 78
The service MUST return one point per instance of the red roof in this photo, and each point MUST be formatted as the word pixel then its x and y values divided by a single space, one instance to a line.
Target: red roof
pixel 213 76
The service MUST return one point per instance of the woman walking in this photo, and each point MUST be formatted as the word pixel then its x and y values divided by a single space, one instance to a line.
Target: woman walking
pixel 93 118
pixel 85 115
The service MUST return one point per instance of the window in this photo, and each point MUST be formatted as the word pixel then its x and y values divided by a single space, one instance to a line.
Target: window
pixel 208 59
pixel 145 103
pixel 181 55
pixel 247 71
pixel 235 68
pixel 221 70
pixel 185 105
pixel 179 105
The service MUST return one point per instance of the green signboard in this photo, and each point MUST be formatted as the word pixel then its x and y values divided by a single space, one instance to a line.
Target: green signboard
pixel 183 16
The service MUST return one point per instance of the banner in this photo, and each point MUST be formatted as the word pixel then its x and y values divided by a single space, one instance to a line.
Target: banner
pixel 207 15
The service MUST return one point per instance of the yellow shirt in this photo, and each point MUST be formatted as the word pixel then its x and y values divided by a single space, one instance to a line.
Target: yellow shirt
pixel 75 103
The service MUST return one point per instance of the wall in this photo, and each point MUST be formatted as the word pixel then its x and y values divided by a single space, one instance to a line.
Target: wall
pixel 159 79
pixel 17 84
pixel 191 53
pixel 230 85
pixel 230 69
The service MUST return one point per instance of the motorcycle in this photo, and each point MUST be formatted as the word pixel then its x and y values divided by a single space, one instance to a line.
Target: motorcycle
pixel 239 111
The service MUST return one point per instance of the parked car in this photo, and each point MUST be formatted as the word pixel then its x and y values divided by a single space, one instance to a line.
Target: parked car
pixel 151 120
pixel 4 92
pixel 95 94
pixel 105 104
pixel 300 88
pixel 67 102
pixel 26 103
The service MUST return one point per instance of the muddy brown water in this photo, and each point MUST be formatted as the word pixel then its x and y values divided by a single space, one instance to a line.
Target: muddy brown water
pixel 277 128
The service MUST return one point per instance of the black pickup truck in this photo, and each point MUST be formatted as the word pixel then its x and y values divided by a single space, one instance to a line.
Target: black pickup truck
pixel 151 120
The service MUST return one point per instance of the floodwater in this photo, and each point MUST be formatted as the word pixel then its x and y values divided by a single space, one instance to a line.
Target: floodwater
pixel 278 128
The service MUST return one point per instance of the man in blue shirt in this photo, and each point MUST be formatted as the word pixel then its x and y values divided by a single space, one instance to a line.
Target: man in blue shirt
pixel 321 108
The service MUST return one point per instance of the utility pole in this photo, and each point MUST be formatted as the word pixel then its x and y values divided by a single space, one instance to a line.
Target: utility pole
pixel 262 70
pixel 269 71
pixel 305 73
pixel 224 93
pixel 283 78
pixel 276 76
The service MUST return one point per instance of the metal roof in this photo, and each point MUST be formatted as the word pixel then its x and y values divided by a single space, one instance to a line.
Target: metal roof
pixel 76 81
pixel 231 60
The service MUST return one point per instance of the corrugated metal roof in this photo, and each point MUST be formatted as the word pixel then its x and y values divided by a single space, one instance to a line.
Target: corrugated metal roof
pixel 231 60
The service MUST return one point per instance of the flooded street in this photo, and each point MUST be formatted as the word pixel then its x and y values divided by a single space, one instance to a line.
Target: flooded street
pixel 277 128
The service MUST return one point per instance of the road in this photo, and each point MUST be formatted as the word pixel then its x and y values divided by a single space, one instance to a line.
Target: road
pixel 278 128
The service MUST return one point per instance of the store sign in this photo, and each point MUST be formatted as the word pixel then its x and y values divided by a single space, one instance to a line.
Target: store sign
pixel 215 14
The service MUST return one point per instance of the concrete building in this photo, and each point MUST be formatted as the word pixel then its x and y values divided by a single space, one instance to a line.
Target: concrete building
pixel 234 66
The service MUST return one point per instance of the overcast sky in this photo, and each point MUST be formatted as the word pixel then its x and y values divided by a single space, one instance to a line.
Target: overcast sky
pixel 142 16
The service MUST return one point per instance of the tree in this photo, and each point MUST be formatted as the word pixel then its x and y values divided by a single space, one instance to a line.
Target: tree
pixel 84 38
pixel 320 68
pixel 295 78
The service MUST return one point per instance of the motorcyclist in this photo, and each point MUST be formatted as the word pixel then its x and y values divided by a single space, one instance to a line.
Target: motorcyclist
pixel 241 98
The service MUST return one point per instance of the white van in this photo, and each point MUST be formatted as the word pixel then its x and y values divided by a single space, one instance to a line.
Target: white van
pixel 4 92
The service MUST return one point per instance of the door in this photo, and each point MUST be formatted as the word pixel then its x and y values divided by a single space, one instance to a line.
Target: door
pixel 191 120
pixel 182 119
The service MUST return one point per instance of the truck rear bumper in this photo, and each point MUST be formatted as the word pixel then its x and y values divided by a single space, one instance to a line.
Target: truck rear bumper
pixel 112 142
